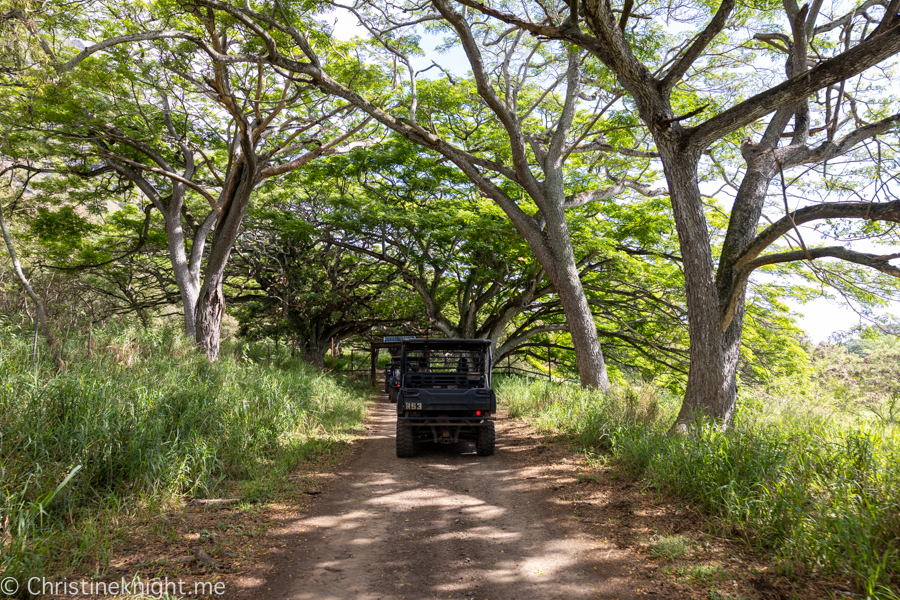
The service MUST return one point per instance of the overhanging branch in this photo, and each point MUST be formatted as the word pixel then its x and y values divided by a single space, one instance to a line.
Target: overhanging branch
pixel 869 211
pixel 879 262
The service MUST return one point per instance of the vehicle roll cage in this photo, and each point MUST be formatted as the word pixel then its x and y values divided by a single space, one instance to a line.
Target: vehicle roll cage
pixel 441 363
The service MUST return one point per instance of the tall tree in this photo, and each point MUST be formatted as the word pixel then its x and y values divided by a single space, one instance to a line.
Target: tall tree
pixel 24 65
pixel 660 86
pixel 41 324
pixel 529 95
pixel 195 122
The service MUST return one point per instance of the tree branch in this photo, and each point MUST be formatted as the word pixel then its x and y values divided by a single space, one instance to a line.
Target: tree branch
pixel 568 31
pixel 867 53
pixel 848 17
pixel 779 41
pixel 173 176
pixel 869 211
pixel 514 342
pixel 715 26
pixel 875 261
pixel 329 148
pixel 831 149
pixel 878 262
pixel 602 146
pixel 124 39
pixel 504 114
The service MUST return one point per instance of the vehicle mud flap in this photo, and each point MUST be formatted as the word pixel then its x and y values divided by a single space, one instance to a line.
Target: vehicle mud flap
pixel 486 439
pixel 406 444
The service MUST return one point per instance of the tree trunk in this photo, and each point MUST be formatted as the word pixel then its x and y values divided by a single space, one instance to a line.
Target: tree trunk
pixel 209 313
pixel 313 352
pixel 742 227
pixel 211 303
pixel 731 352
pixel 706 388
pixel 591 364
pixel 40 313
pixel 563 273
pixel 186 281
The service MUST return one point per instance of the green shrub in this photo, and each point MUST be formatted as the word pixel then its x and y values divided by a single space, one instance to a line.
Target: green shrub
pixel 145 419
pixel 669 547
pixel 795 477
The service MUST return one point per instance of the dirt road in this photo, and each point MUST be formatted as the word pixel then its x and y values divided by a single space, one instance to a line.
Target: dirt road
pixel 448 524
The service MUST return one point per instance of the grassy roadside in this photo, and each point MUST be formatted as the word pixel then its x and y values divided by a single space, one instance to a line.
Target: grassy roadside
pixel 141 425
pixel 813 487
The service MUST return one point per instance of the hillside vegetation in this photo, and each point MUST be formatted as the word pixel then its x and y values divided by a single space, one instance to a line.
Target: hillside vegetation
pixel 142 421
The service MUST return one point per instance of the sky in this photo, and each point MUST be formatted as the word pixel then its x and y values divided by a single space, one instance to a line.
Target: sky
pixel 820 318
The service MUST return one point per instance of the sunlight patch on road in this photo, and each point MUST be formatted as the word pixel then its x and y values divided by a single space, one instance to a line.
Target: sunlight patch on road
pixel 413 499
pixel 489 534
pixel 337 521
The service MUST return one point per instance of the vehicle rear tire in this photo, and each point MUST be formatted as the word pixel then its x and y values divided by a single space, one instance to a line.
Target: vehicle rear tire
pixel 392 395
pixel 486 439
pixel 406 445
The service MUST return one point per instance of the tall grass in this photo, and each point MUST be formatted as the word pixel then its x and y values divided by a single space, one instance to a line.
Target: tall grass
pixel 145 419
pixel 818 489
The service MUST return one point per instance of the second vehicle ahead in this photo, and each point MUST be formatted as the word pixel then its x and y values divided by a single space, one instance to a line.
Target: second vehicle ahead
pixel 444 394
pixel 392 378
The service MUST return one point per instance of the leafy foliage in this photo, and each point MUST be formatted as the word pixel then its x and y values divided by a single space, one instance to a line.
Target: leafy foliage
pixel 864 373
pixel 290 282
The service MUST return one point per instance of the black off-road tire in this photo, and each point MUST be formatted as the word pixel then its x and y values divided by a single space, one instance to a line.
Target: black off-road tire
pixel 392 394
pixel 486 439
pixel 406 445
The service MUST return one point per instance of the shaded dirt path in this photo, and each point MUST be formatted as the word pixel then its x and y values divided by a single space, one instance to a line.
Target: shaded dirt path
pixel 450 524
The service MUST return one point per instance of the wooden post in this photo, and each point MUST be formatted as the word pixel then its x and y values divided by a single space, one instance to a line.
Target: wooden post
pixel 351 362
pixel 549 364
pixel 332 354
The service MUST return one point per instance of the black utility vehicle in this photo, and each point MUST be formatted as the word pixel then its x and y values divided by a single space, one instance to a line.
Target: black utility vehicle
pixel 445 394
pixel 392 378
